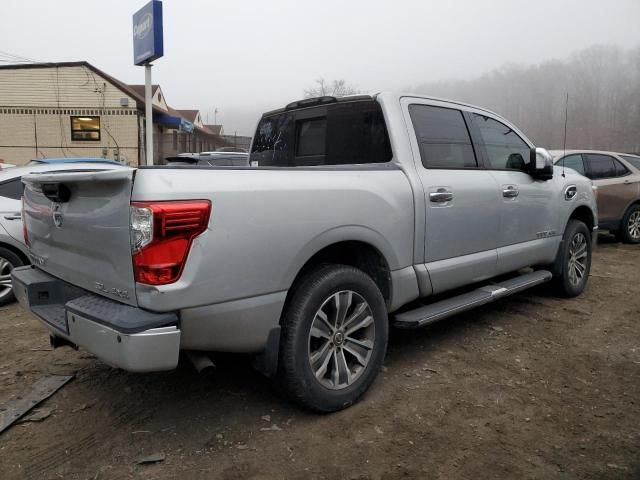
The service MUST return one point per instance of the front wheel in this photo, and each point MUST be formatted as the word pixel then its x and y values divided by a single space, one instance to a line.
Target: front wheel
pixel 334 338
pixel 574 259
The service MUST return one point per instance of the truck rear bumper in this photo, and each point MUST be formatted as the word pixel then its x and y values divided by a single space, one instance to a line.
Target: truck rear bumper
pixel 120 335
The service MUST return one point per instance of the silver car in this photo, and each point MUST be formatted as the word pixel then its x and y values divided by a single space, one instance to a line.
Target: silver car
pixel 13 251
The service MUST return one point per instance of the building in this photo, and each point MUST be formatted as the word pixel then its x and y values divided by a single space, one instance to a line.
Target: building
pixel 74 109
pixel 238 141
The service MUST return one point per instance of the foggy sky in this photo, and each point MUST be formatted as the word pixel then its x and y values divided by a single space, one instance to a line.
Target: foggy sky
pixel 244 56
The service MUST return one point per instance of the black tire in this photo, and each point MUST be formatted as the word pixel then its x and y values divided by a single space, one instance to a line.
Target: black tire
pixel 315 291
pixel 8 261
pixel 629 232
pixel 565 282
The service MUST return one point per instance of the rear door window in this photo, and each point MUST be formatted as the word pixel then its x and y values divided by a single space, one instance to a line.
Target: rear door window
pixel 344 133
pixel 601 166
pixel 443 137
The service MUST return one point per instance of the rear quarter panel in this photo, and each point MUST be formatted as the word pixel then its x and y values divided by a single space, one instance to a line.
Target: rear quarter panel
pixel 266 223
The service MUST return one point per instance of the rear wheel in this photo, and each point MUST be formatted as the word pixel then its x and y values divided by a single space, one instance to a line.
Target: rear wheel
pixel 334 338
pixel 630 228
pixel 574 259
pixel 8 261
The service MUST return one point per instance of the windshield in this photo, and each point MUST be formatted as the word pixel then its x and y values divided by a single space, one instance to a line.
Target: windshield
pixel 336 134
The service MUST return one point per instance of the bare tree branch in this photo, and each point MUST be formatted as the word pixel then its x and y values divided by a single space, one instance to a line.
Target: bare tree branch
pixel 334 88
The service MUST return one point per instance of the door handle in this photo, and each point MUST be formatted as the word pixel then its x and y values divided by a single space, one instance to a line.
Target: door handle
pixel 14 216
pixel 440 196
pixel 510 192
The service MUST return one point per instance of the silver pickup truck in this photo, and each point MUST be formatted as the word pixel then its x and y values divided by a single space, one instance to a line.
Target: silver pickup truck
pixel 355 214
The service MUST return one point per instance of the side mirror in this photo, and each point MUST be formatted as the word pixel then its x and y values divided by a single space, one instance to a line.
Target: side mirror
pixel 541 164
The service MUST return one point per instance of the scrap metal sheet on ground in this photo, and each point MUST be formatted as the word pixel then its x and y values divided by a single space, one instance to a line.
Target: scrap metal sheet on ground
pixel 41 390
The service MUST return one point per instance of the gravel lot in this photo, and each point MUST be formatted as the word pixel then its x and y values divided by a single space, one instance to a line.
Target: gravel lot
pixel 532 387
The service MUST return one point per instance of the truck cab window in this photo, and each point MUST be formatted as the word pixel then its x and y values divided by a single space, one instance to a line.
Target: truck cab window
pixel 443 137
pixel 342 133
pixel 312 136
pixel 504 149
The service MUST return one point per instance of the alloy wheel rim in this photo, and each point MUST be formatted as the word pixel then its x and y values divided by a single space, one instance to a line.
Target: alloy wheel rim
pixel 6 285
pixel 633 225
pixel 578 256
pixel 341 339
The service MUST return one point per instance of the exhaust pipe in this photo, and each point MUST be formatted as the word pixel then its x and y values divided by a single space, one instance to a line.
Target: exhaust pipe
pixel 201 362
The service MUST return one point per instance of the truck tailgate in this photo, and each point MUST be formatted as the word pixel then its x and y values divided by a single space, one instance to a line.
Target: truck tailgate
pixel 78 229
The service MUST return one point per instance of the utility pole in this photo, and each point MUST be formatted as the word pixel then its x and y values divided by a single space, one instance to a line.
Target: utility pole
pixel 148 114
pixel 148 45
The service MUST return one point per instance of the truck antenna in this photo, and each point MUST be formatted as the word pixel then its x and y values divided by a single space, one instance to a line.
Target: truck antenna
pixel 564 144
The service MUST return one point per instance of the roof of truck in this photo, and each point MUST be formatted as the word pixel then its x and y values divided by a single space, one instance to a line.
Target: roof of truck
pixel 328 99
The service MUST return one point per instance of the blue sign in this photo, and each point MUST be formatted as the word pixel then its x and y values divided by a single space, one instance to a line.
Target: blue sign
pixel 147 33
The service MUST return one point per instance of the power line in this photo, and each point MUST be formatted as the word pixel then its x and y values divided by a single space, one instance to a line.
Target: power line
pixel 16 58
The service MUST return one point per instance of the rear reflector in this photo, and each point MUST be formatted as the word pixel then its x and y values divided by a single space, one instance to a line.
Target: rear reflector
pixel 161 236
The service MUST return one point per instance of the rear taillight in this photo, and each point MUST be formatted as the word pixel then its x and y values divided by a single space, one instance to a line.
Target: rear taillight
pixel 161 236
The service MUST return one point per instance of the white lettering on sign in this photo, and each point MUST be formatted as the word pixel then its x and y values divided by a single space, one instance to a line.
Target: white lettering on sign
pixel 143 28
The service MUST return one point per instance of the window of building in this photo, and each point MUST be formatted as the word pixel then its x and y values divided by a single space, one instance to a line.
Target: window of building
pixel 85 128
pixel 443 137
pixel 504 149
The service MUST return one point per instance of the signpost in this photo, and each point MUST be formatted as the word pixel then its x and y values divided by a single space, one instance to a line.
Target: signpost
pixel 147 46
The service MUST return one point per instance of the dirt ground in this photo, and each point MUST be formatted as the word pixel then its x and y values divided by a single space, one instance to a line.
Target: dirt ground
pixel 532 387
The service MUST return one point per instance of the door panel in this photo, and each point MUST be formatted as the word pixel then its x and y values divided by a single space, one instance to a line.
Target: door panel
pixel 462 201
pixel 461 233
pixel 468 222
pixel 614 195
pixel 529 215
pixel 527 221
pixel 527 209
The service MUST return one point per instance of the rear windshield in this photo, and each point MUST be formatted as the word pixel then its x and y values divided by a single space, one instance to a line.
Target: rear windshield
pixel 336 134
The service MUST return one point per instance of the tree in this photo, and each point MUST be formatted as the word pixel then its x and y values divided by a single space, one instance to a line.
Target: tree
pixel 334 88
pixel 603 84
